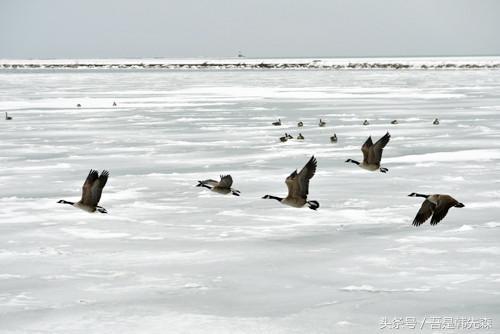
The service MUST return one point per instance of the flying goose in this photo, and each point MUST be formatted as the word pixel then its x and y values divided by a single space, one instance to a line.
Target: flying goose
pixel 277 123
pixel 300 124
pixel 366 122
pixel 394 122
pixel 91 192
pixel 372 154
pixel 7 117
pixel 436 206
pixel 436 122
pixel 298 187
pixel 333 138
pixel 221 187
pixel 321 123
pixel 300 136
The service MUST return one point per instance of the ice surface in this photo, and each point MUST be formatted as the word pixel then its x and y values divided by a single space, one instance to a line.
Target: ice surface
pixel 173 258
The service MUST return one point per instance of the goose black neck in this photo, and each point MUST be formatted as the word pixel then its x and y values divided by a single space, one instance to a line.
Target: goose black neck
pixel 201 184
pixel 273 197
pixel 421 195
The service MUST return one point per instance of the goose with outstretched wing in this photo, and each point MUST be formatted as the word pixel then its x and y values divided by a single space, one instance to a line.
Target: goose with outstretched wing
pixel 91 192
pixel 222 187
pixel 436 206
pixel 372 154
pixel 298 187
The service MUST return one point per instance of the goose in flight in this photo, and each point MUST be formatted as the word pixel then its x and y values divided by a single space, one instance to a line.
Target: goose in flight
pixel 7 117
pixel 221 187
pixel 372 154
pixel 436 206
pixel 91 192
pixel 277 123
pixel 298 187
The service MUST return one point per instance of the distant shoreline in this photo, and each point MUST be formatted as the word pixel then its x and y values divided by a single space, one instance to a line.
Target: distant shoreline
pixel 420 63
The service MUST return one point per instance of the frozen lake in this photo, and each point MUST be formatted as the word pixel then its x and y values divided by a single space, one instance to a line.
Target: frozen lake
pixel 171 257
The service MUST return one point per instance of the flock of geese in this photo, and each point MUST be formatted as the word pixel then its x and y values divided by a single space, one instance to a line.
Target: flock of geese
pixel 435 205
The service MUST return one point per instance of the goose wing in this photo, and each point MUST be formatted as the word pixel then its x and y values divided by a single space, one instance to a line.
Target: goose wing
pixel 298 183
pixel 97 187
pixel 444 204
pixel 375 152
pixel 366 148
pixel 226 181
pixel 291 183
pixel 87 187
pixel 424 213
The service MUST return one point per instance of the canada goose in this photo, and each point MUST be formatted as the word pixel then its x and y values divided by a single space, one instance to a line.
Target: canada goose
pixel 7 117
pixel 221 187
pixel 300 124
pixel 366 122
pixel 372 153
pixel 284 139
pixel 394 122
pixel 436 122
pixel 91 192
pixel 277 123
pixel 114 104
pixel 288 136
pixel 298 187
pixel 321 123
pixel 78 105
pixel 333 138
pixel 300 136
pixel 436 206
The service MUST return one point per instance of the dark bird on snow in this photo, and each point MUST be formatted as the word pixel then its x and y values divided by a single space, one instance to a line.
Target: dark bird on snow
pixel 298 187
pixel 91 192
pixel 372 154
pixel 436 206
pixel 222 187
pixel 277 123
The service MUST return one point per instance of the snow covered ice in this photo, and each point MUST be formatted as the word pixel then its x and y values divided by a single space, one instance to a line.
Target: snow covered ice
pixel 173 258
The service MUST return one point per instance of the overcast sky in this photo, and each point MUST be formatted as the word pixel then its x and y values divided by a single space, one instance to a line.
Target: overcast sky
pixel 259 28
